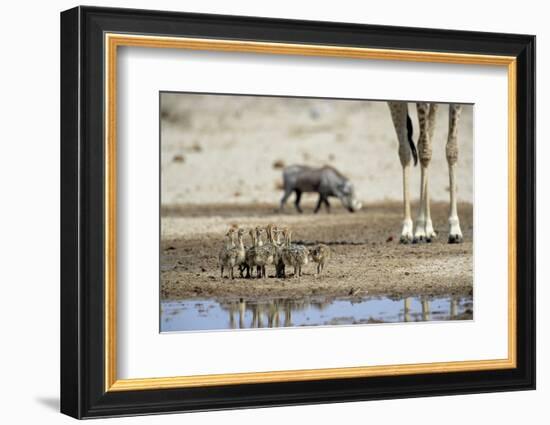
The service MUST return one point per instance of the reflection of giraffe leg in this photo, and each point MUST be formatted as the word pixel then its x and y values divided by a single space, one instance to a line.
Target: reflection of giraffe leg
pixel 453 309
pixel 399 117
pixel 455 233
pixel 231 318
pixel 254 323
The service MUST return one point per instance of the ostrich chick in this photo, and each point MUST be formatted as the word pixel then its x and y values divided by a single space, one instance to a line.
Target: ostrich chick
pixel 232 255
pixel 251 252
pixel 268 253
pixel 225 256
pixel 280 265
pixel 238 251
pixel 320 254
pixel 294 255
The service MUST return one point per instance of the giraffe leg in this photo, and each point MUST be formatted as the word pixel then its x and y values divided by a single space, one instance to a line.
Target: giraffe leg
pixel 430 233
pixel 455 234
pixel 399 117
pixel 426 116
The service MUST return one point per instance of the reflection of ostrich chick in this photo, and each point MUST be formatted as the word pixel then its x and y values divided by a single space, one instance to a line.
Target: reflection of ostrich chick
pixel 273 314
pixel 294 255
pixel 425 309
pixel 288 313
pixel 242 312
pixel 320 254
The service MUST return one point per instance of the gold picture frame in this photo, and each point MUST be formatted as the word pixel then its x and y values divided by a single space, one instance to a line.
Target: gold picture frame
pixel 114 41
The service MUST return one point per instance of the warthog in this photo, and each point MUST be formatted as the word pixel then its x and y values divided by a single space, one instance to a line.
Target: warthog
pixel 326 181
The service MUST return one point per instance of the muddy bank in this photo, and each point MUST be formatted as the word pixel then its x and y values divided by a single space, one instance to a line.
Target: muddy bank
pixel 367 259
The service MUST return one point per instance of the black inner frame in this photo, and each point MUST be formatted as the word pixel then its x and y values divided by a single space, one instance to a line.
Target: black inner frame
pixel 82 212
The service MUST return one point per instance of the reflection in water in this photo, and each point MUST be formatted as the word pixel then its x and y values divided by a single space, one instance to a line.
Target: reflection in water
pixel 210 314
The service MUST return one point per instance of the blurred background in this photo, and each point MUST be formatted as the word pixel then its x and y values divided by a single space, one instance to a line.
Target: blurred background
pixel 220 149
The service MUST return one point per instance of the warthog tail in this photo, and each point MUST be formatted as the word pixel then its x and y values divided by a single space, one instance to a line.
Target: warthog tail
pixel 410 137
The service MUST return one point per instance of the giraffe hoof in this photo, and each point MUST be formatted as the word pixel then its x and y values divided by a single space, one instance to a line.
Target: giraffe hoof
pixel 455 238
pixel 430 236
pixel 405 239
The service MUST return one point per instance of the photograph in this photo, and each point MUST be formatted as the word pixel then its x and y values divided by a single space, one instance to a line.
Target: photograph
pixel 289 210
pixel 292 211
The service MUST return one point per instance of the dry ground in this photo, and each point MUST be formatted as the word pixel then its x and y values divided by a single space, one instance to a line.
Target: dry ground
pixel 367 257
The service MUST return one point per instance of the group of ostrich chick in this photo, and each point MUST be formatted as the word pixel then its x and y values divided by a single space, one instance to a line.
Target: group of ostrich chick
pixel 280 253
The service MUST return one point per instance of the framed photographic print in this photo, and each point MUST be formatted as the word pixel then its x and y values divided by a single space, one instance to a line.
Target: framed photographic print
pixel 261 212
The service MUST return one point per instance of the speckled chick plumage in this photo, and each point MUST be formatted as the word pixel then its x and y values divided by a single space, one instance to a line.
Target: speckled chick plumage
pixel 232 254
pixel 320 255
pixel 268 253
pixel 294 255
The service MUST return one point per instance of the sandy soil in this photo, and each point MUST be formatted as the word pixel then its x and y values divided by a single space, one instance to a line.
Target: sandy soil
pixel 367 257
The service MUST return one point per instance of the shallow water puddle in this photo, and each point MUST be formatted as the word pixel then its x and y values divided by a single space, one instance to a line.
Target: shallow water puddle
pixel 210 314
